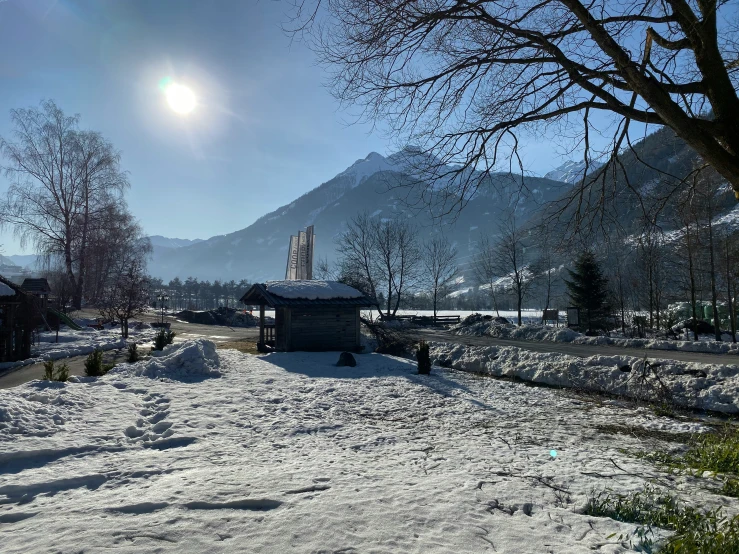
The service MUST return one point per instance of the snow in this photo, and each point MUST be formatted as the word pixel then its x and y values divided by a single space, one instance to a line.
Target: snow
pixel 288 453
pixel 5 290
pixel 548 333
pixel 312 290
pixel 79 343
pixel 692 385
pixel 187 360
pixel 362 169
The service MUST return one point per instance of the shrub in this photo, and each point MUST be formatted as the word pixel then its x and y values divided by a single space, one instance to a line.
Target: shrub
pixel 133 353
pixel 695 530
pixel 48 370
pixel 94 364
pixel 163 338
pixel 52 373
pixel 424 360
pixel 62 373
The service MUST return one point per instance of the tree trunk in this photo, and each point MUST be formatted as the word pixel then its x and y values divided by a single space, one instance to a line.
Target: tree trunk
pixel 691 273
pixel 728 294
pixel 716 321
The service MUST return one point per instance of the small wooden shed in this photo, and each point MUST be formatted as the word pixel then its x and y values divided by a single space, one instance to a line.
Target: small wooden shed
pixel 309 315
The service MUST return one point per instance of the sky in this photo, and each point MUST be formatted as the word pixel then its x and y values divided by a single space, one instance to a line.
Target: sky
pixel 265 129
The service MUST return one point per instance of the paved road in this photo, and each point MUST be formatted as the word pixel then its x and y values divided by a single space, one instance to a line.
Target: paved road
pixel 579 350
pixel 184 331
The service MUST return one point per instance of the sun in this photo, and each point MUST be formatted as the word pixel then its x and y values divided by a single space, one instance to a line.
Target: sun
pixel 180 98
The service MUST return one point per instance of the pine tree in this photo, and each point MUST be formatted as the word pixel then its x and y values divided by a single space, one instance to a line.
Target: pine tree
pixel 588 290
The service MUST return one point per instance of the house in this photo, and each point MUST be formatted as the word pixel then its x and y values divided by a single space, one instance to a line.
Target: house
pixel 309 315
pixel 20 314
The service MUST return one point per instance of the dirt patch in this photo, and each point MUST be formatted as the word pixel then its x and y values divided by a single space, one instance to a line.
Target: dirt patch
pixel 245 346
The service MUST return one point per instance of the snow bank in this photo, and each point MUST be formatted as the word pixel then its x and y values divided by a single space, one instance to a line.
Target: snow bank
pixel 312 290
pixel 187 360
pixel 692 385
pixel 549 333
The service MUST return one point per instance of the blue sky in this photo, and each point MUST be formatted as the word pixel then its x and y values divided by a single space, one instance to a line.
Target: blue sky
pixel 264 132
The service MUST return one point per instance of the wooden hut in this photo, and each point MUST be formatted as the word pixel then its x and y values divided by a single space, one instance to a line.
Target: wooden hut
pixel 40 289
pixel 309 315
pixel 20 314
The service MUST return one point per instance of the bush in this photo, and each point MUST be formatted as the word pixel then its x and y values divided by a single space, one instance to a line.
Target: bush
pixel 94 364
pixel 424 360
pixel 133 353
pixel 696 531
pixel 51 373
pixel 163 338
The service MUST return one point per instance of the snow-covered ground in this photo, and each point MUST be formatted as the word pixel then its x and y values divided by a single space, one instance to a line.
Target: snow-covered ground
pixel 549 333
pixel 78 343
pixel 200 450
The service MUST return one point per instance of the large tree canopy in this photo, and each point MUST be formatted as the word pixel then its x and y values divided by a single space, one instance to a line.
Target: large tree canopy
pixel 463 79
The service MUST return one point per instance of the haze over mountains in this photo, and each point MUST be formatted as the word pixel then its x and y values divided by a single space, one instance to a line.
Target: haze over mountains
pixel 379 185
pixel 376 184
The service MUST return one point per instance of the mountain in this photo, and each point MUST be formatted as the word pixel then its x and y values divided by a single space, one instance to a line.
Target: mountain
pixel 165 242
pixel 376 184
pixel 27 261
pixel 571 171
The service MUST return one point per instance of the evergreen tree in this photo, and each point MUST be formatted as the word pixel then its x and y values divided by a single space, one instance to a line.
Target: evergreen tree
pixel 588 290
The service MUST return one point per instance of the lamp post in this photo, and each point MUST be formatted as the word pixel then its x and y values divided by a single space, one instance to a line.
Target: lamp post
pixel 163 299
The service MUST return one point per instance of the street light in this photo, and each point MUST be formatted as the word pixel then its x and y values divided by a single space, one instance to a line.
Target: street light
pixel 163 299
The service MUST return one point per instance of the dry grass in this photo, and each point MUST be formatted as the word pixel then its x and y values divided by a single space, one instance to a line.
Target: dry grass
pixel 246 346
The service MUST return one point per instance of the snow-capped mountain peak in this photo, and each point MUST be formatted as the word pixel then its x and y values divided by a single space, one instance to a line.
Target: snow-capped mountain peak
pixel 571 171
pixel 366 167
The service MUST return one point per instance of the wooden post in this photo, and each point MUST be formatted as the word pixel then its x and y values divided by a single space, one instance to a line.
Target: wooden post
pixel 261 324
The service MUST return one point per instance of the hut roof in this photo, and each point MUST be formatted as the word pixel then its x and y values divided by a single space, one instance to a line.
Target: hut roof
pixel 36 286
pixel 305 293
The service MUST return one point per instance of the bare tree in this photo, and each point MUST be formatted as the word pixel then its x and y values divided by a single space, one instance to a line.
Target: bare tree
pixel 485 268
pixel 511 262
pixel 464 79
pixel 379 255
pixel 439 261
pixel 126 292
pixel 62 178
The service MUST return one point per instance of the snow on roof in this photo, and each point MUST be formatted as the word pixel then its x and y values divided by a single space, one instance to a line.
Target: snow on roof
pixel 312 290
pixel 5 290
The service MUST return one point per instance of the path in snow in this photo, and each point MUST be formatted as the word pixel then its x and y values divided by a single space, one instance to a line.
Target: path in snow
pixel 287 453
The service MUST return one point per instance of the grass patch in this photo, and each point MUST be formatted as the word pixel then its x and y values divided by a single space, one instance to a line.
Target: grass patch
pixel 695 531
pixel 716 453
pixel 245 346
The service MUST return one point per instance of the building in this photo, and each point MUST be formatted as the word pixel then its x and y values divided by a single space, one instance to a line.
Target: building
pixel 40 289
pixel 309 315
pixel 20 314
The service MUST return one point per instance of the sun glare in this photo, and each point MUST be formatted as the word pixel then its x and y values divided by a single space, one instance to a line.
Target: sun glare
pixel 180 98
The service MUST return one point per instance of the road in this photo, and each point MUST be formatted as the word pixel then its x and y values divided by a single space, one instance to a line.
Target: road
pixel 579 350
pixel 183 331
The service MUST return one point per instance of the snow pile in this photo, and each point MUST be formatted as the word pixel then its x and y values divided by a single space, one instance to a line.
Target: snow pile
pixel 693 385
pixel 312 290
pixel 187 360
pixel 476 327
